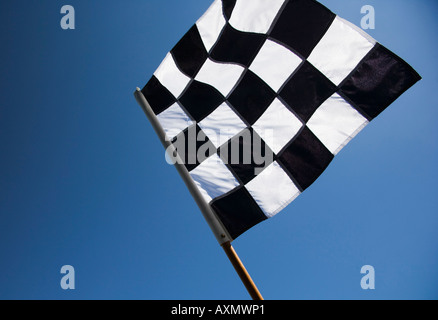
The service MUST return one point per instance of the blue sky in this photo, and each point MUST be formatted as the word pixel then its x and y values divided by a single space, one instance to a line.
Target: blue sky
pixel 83 180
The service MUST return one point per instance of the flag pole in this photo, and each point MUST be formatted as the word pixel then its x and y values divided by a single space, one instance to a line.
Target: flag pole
pixel 220 232
pixel 241 271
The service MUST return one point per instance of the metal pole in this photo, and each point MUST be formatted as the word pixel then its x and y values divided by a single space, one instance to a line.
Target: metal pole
pixel 241 271
pixel 216 226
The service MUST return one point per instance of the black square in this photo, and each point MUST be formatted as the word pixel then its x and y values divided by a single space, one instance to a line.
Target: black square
pixel 237 47
pixel 190 53
pixel 246 154
pixel 193 146
pixel 157 95
pixel 302 24
pixel 306 158
pixel 307 90
pixel 252 97
pixel 201 99
pixel 238 212
pixel 378 81
pixel 228 7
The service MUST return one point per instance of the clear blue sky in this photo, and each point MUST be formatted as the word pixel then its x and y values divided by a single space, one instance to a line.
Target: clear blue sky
pixel 83 180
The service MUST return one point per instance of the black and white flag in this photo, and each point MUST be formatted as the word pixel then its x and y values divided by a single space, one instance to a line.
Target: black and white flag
pixel 260 95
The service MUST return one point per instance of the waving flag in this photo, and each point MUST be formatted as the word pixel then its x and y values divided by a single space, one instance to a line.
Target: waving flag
pixel 256 100
pixel 285 85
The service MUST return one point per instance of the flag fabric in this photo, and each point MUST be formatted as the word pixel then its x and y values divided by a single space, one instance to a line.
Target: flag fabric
pixel 259 96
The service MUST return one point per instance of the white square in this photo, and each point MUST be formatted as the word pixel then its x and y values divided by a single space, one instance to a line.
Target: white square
pixel 222 76
pixel 255 15
pixel 171 77
pixel 213 178
pixel 340 50
pixel 221 125
pixel 210 25
pixel 336 122
pixel 174 120
pixel 277 126
pixel 273 190
pixel 274 64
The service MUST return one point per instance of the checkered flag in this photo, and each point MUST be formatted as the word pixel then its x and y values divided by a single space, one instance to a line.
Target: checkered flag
pixel 260 95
